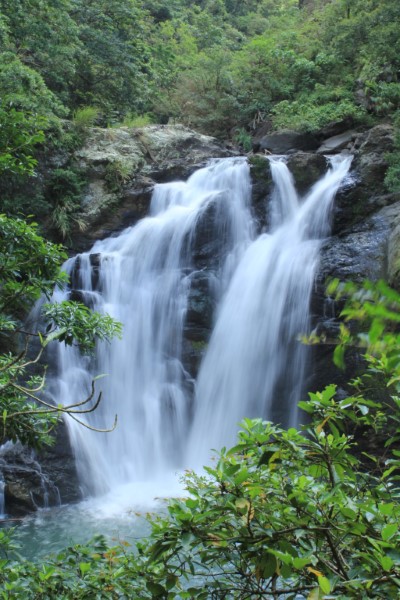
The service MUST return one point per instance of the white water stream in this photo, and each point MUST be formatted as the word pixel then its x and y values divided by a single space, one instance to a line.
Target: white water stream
pixel 144 280
pixel 254 365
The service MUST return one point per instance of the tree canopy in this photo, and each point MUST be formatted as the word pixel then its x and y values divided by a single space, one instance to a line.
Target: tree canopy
pixel 219 66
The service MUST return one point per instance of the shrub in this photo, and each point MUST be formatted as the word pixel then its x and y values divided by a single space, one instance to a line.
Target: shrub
pixel 85 117
pixel 315 110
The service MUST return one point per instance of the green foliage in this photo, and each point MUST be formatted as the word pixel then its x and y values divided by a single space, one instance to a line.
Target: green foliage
pixel 136 121
pixel 45 37
pixel 85 117
pixel 19 133
pixel 204 96
pixel 29 269
pixel 243 139
pixel 73 322
pixel 313 111
pixel 117 174
pixel 29 265
pixel 64 193
pixel 162 59
pixel 376 307
pixel 24 88
pixel 113 58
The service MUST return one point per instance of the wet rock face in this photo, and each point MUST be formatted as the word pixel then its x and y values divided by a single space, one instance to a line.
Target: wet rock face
pixel 123 165
pixel 367 195
pixel 33 481
pixel 26 488
pixel 260 173
pixel 363 245
pixel 58 464
pixel 199 319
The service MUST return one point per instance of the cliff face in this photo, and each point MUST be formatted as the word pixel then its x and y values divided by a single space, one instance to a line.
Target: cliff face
pixel 122 167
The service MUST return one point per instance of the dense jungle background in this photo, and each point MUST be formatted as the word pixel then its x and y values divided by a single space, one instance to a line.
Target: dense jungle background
pixel 223 68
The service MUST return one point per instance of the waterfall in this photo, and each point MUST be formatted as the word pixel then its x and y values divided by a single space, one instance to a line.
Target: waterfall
pixel 142 278
pixel 2 499
pixel 254 365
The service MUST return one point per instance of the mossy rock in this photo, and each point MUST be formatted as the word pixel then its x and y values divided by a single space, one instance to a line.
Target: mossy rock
pixel 259 169
pixel 306 169
pixel 261 179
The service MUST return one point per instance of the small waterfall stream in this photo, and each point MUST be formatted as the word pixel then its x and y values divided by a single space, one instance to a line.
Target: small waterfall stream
pixel 2 500
pixel 254 365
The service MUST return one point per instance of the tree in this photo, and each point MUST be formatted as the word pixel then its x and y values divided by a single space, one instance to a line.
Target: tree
pixel 44 37
pixel 29 269
pixel 19 134
pixel 114 70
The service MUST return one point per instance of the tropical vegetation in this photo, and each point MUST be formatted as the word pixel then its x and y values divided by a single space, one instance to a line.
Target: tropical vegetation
pixel 285 513
pixel 219 66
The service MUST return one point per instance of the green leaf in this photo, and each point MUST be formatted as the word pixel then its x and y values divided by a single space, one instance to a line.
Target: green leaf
pixel 267 566
pixel 386 562
pixel 156 589
pixel 55 335
pixel 338 357
pixel 386 509
pixel 389 531
pixel 84 567
pixel 301 562
pixel 324 585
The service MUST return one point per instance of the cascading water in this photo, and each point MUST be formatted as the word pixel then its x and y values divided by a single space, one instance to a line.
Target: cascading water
pixel 143 277
pixel 2 499
pixel 143 280
pixel 255 365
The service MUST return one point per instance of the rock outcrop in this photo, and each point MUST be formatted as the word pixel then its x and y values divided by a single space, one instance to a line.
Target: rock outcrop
pixel 38 480
pixel 123 165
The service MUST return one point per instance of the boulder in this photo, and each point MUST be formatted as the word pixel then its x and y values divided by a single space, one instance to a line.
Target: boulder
pixel 337 143
pixel 287 141
pixel 27 487
pixel 335 128
pixel 306 169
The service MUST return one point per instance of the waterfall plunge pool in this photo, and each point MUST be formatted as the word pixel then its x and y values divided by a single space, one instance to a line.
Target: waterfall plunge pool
pixel 119 516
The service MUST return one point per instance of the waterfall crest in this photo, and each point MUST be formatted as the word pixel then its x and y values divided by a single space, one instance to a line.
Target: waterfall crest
pixel 253 366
